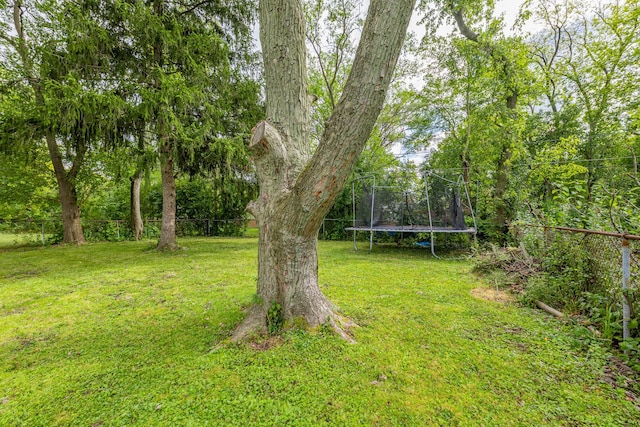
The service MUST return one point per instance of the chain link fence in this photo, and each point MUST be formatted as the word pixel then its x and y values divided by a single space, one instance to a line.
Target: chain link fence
pixel 589 273
pixel 48 231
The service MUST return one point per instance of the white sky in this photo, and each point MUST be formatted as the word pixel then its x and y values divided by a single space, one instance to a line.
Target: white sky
pixel 510 9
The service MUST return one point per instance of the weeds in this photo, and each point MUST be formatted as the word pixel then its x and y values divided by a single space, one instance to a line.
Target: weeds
pixel 275 318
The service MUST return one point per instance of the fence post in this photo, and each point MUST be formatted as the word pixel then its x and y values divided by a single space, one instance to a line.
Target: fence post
pixel 43 234
pixel 626 276
pixel 208 223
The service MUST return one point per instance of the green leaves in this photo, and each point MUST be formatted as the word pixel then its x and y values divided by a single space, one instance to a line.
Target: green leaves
pixel 26 182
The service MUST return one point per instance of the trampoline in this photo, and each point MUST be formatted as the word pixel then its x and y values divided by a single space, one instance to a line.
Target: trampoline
pixel 437 208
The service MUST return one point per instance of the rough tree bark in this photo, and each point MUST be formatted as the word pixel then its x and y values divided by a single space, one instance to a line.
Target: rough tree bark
pixel 167 239
pixel 136 217
pixel 168 231
pixel 71 225
pixel 297 190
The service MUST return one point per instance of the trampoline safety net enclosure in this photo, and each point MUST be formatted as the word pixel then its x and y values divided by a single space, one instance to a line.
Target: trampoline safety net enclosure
pixel 439 206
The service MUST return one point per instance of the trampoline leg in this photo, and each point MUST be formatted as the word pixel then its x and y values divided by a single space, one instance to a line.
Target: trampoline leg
pixel 370 240
pixel 433 251
pixel 433 247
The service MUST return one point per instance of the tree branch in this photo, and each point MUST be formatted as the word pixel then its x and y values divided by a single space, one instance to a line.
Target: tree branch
pixel 462 26
pixel 269 154
pixel 352 121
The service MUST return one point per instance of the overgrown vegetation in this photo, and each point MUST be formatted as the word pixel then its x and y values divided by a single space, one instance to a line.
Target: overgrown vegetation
pixel 575 273
pixel 135 336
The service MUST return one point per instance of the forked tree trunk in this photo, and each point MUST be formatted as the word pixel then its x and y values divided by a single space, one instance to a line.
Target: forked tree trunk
pixel 297 190
pixel 136 217
pixel 168 230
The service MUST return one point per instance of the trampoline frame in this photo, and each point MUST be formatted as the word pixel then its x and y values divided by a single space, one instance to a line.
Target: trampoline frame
pixel 409 228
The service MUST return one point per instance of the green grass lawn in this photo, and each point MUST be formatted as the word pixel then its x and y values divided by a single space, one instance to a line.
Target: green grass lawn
pixel 9 240
pixel 118 334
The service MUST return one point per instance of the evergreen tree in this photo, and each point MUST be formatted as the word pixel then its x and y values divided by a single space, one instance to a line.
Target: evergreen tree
pixel 54 55
pixel 181 64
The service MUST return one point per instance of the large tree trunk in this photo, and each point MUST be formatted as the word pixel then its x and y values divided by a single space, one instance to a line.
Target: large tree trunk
pixel 297 191
pixel 136 217
pixel 168 230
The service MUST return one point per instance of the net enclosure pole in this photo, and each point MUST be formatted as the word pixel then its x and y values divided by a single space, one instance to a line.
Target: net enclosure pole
pixel 373 201
pixel 473 215
pixel 426 189
pixel 355 209
pixel 626 276
pixel 353 200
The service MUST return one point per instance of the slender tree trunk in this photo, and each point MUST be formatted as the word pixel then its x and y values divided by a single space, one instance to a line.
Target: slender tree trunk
pixel 296 191
pixel 168 230
pixel 503 212
pixel 590 154
pixel 136 217
pixel 503 215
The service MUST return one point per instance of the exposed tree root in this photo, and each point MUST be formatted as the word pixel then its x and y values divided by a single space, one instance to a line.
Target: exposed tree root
pixel 169 247
pixel 255 323
pixel 341 325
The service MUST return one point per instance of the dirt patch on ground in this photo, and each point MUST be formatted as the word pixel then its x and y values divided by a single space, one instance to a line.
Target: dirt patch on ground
pixel 265 343
pixel 492 294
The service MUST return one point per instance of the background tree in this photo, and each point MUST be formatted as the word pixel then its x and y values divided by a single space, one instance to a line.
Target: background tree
pixel 510 70
pixel 180 66
pixel 584 57
pixel 53 51
pixel 26 185
pixel 479 86
pixel 574 82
